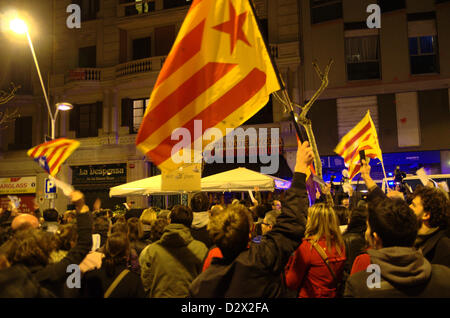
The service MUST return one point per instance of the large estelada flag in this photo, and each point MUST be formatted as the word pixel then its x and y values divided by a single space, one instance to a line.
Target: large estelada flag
pixel 218 71
pixel 362 137
pixel 52 154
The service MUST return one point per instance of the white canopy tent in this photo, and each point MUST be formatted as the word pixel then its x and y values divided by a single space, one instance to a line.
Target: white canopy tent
pixel 239 179
pixel 236 180
pixel 145 186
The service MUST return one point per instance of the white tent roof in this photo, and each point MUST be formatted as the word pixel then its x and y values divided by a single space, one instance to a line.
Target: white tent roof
pixel 240 179
pixel 145 186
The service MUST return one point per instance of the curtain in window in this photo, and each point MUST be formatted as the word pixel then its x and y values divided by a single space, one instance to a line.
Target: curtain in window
pixel 361 49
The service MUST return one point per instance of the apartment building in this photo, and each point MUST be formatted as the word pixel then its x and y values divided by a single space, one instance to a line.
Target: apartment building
pixel 401 72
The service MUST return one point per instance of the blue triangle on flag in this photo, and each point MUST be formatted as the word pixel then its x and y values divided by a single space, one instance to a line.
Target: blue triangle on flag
pixel 42 161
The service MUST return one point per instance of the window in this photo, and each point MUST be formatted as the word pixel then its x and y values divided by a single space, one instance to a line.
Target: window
pixel 391 5
pixel 164 38
pixel 23 128
pixel 325 10
pixel 87 56
pixel 176 3
pixel 423 46
pixel 89 9
pixel 422 51
pixel 138 6
pixel 362 57
pixel 86 119
pixel 21 69
pixel 141 48
pixel 133 111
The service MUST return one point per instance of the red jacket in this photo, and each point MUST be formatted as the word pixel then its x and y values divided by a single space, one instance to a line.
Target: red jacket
pixel 306 270
pixel 360 264
pixel 214 252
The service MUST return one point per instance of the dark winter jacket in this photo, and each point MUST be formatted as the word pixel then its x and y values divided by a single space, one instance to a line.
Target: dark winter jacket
pixel 257 271
pixel 169 265
pixel 404 272
pixel 435 247
pixel 355 244
pixel 53 276
pixel 18 282
pixel 96 283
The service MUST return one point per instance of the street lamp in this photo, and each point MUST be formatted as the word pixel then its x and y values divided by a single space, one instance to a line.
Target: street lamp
pixel 20 27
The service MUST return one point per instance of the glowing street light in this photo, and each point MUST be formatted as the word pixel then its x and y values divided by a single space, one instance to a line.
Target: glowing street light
pixel 19 26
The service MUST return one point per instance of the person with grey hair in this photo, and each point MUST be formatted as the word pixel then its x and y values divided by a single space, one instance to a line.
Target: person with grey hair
pixel 269 221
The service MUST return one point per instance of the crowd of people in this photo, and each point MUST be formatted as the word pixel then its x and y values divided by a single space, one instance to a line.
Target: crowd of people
pixel 379 245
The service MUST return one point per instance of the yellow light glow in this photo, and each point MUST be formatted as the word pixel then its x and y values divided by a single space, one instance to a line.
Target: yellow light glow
pixel 18 26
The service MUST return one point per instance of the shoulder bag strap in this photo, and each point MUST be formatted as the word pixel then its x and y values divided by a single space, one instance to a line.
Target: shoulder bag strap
pixel 115 283
pixel 324 257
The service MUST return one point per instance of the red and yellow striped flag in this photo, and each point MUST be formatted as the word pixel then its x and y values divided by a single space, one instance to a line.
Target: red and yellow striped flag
pixel 51 155
pixel 362 137
pixel 218 71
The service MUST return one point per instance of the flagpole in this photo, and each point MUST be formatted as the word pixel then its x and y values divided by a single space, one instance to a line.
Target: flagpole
pixel 385 177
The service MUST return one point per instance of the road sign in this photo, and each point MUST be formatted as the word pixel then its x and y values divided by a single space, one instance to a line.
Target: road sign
pixel 50 186
pixel 50 196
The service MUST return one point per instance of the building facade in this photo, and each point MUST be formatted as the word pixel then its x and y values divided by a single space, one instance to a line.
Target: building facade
pixel 107 69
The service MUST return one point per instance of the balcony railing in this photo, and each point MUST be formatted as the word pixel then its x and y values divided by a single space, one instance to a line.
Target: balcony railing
pixel 140 66
pixel 84 74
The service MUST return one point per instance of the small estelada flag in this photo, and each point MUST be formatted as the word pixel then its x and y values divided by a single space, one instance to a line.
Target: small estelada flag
pixel 218 72
pixel 362 137
pixel 51 155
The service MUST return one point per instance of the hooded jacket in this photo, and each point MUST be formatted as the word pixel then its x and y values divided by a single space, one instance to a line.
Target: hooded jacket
pixel 169 265
pixel 405 272
pixel 18 282
pixel 199 228
pixel 257 271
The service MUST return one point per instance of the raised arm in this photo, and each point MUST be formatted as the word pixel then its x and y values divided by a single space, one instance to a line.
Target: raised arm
pixel 276 247
pixel 58 270
pixel 375 193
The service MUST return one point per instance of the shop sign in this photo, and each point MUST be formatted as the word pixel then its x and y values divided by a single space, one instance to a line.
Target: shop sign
pixel 17 185
pixel 99 174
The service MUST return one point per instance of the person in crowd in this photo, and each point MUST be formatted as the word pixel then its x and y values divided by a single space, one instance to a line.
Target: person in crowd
pixel 50 220
pixel 317 265
pixel 354 238
pixel 342 214
pixel 65 239
pixel 148 216
pixel 119 226
pixel 276 205
pixel 266 225
pixel 69 217
pixel 31 249
pixel 135 234
pixel 215 209
pixel 102 226
pixel 169 265
pixel 24 221
pixel 164 214
pixel 157 229
pixel 199 205
pixel 97 205
pixel 403 270
pixel 113 279
pixel 432 208
pixel 256 270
